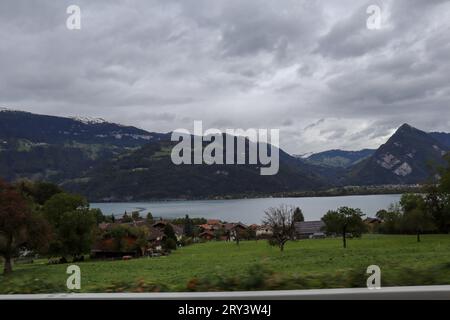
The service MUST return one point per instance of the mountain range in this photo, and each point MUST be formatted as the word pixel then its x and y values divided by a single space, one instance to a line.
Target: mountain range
pixel 111 162
pixel 42 147
pixel 339 158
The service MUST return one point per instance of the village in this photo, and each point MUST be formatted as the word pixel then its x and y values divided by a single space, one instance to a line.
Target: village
pixel 133 236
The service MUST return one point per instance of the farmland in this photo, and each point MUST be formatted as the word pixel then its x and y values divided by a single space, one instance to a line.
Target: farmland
pixel 253 265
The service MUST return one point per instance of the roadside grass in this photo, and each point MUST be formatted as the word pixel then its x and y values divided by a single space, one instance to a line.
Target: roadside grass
pixel 253 265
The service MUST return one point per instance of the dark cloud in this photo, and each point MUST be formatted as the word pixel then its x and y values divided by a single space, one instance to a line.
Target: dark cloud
pixel 312 125
pixel 310 68
pixel 350 37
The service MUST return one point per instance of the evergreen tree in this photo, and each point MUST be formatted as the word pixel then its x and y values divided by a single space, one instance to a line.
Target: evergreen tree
pixel 126 218
pixel 298 215
pixel 188 227
pixel 150 218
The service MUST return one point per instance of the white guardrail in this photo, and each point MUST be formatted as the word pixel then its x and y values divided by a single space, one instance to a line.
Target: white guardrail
pixel 387 293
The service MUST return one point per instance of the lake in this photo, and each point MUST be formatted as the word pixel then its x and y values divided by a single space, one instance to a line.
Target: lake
pixel 248 210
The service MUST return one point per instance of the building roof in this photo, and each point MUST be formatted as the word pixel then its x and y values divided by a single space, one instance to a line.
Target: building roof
pixel 372 220
pixel 159 224
pixel 231 226
pixel 155 234
pixel 176 228
pixel 179 230
pixel 308 227
pixel 206 233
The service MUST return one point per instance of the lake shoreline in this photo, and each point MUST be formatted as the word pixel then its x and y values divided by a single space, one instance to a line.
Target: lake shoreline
pixel 250 210
pixel 336 192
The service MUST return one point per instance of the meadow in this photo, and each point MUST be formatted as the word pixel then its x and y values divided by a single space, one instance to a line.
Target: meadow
pixel 253 265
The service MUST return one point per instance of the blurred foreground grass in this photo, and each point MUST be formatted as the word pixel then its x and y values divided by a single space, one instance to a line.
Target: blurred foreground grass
pixel 218 266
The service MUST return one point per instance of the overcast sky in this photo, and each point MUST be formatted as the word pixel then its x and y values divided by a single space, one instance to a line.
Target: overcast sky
pixel 310 68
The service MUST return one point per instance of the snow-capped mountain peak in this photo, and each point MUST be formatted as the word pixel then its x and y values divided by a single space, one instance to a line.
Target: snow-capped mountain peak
pixel 88 120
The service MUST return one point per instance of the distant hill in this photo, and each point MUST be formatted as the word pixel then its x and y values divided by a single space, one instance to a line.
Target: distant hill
pixel 57 148
pixel 339 158
pixel 148 173
pixel 111 162
pixel 57 130
pixel 410 156
pixel 107 161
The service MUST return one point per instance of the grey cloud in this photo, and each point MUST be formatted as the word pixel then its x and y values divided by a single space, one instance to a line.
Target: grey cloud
pixel 350 37
pixel 315 124
pixel 309 67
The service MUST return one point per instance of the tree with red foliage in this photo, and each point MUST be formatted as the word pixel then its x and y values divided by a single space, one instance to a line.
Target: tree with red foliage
pixel 19 226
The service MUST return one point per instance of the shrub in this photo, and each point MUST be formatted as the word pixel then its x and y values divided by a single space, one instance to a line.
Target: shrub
pixel 169 244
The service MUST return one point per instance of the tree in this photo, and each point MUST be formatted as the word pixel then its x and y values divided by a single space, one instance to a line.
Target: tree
pixel 75 233
pixel 126 218
pixel 19 226
pixel 437 203
pixel 118 234
pixel 298 215
pixel 60 203
pixel 444 183
pixel 135 216
pixel 170 240
pixel 282 223
pixel 236 234
pixel 382 214
pixel 416 218
pixel 142 234
pixel 391 219
pixel 411 201
pixel 44 191
pixel 219 233
pixel 39 191
pixel 344 220
pixel 99 217
pixel 437 199
pixel 169 232
pixel 169 244
pixel 188 227
pixel 195 221
pixel 251 234
pixel 150 218
pixel 72 224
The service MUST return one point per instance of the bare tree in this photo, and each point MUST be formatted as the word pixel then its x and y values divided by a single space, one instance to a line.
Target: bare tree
pixel 281 220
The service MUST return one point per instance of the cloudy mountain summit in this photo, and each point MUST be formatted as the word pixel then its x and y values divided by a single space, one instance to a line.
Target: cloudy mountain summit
pixel 111 162
pixel 409 156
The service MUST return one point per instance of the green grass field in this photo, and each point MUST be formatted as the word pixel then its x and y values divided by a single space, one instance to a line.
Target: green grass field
pixel 252 265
